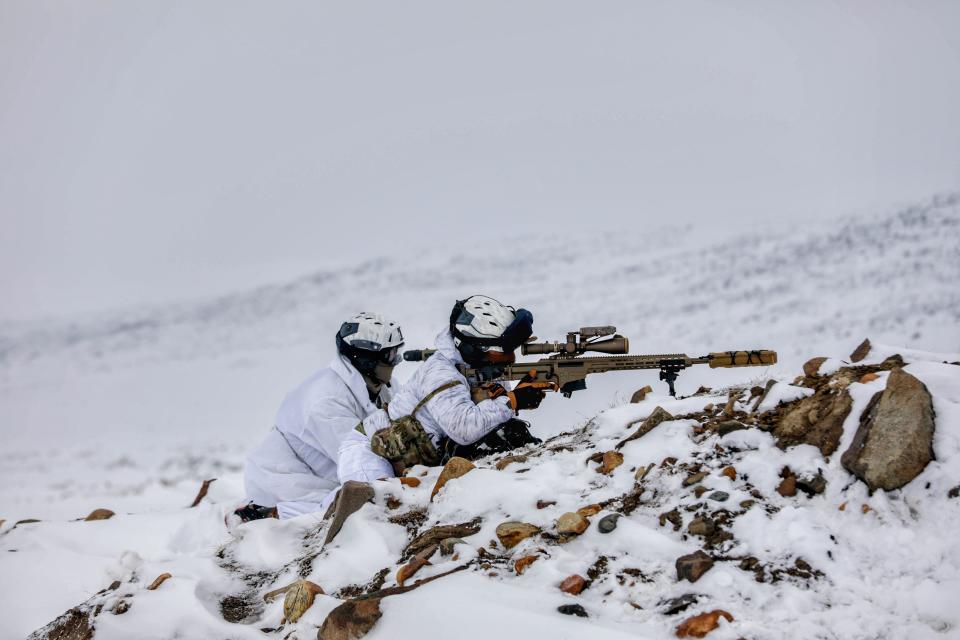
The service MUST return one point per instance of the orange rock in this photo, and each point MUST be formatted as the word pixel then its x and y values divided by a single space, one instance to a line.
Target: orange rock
pixel 729 472
pixel 513 533
pixel 866 508
pixel 455 468
pixel 410 482
pixel 521 565
pixel 869 377
pixel 573 584
pixel 589 510
pixel 611 460
pixel 788 487
pixel 99 514
pixel 811 367
pixel 701 625
pixel 843 507
pixel 159 580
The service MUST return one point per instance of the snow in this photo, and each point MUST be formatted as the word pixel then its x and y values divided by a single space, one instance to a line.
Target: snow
pixel 131 411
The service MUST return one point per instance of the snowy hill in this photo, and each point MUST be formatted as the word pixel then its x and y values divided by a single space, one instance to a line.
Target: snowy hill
pixel 131 410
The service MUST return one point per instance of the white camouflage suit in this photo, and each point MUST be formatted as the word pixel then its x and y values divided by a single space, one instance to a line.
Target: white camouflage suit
pixel 452 412
pixel 297 467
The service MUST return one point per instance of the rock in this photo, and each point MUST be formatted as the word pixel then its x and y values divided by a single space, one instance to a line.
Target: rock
pixel 351 497
pixel 788 487
pixel 436 535
pixel 766 390
pixel 589 510
pixel 513 533
pixel 455 468
pixel 572 610
pixel 159 580
pixel 701 625
pixel 543 504
pixel 812 486
pixel 719 496
pixel 674 606
pixel 503 463
pixel 730 426
pixel 407 481
pixel 202 493
pixel 869 377
pixel 895 439
pixel 701 527
pixel 447 545
pixel 692 566
pixel 699 490
pixel 746 504
pixel 419 561
pixel 729 472
pixel 571 524
pixel 643 471
pixel 351 620
pixel 611 460
pixel 521 565
pixel 299 598
pixel 862 351
pixel 694 478
pixel 658 416
pixel 954 493
pixel 816 420
pixel 640 394
pixel 573 584
pixel 608 523
pixel 75 624
pixel 732 397
pixel 811 367
pixel 99 514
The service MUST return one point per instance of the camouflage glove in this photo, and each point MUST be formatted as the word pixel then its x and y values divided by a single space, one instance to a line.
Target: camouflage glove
pixel 487 391
pixel 528 394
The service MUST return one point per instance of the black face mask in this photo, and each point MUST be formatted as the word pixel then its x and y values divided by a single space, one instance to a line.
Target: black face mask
pixel 383 373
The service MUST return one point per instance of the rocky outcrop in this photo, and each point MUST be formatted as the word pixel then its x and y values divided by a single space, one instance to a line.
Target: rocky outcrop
pixel 816 420
pixel 894 442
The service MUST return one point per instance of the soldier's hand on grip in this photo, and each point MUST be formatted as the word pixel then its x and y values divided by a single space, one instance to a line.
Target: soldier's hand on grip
pixel 529 393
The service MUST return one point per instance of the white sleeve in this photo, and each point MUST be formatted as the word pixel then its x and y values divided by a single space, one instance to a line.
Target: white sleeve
pixel 463 421
pixel 356 461
pixel 331 419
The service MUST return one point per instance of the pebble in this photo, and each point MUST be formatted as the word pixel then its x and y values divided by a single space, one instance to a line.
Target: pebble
pixel 571 523
pixel 608 523
pixel 572 610
pixel 719 496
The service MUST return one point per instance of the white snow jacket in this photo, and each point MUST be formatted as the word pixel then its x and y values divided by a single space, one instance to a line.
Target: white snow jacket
pixel 451 413
pixel 296 467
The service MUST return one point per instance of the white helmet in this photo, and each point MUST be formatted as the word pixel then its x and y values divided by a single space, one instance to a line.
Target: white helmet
pixel 481 325
pixel 368 339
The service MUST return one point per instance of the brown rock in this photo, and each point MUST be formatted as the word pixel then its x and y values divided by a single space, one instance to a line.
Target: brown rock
pixel 643 471
pixel 419 561
pixel 503 463
pixel 436 535
pixel 159 580
pixel 692 566
pixel 658 416
pixel 455 468
pixel 351 620
pixel 894 442
pixel 512 533
pixel 521 565
pixel 408 481
pixel 640 394
pixel 730 472
pixel 589 510
pixel 816 420
pixel 694 478
pixel 573 584
pixel 788 487
pixel 811 367
pixel 701 625
pixel 703 527
pixel 299 598
pixel 611 460
pixel 202 493
pixel 75 624
pixel 869 377
pixel 766 390
pixel 571 524
pixel 99 514
pixel 862 351
pixel 699 490
pixel 543 504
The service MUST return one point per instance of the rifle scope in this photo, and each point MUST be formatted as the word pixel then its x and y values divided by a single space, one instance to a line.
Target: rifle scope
pixel 572 347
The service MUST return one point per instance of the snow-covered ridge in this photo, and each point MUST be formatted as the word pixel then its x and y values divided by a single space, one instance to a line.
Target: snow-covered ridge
pixel 889 276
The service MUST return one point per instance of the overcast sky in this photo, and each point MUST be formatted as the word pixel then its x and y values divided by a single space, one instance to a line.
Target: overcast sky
pixel 153 151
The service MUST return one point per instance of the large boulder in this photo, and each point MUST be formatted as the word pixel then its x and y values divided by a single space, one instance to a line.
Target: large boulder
pixel 895 439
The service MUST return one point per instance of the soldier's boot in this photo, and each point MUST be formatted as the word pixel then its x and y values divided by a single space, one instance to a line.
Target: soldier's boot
pixel 350 498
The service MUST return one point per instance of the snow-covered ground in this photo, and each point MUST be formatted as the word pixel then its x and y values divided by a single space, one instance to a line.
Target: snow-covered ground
pixel 130 410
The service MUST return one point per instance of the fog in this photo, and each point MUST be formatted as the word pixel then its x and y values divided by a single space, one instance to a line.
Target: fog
pixel 158 151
